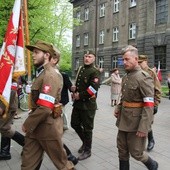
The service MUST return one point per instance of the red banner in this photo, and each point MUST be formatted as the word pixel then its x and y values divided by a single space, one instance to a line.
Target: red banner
pixel 9 52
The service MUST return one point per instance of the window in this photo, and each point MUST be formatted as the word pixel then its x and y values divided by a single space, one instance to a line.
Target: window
pixel 101 37
pixel 132 31
pixel 77 40
pixel 116 6
pixel 161 11
pixel 86 14
pixel 101 62
pixel 86 38
pixel 160 56
pixel 132 3
pixel 77 63
pixel 102 10
pixel 114 62
pixel 115 34
pixel 78 15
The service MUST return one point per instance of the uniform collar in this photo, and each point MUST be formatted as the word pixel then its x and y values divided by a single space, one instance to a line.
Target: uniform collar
pixel 137 68
pixel 87 66
pixel 39 70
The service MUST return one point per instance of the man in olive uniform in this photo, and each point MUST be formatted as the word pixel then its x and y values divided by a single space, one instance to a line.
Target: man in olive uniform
pixel 44 125
pixel 143 62
pixel 134 112
pixel 84 106
pixel 6 129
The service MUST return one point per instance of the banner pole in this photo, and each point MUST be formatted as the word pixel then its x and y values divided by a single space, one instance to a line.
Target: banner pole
pixel 27 41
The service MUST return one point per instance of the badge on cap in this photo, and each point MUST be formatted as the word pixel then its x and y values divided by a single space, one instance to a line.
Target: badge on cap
pixel 88 52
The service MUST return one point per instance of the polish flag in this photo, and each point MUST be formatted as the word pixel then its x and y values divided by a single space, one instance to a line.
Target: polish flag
pixel 11 55
pixel 159 74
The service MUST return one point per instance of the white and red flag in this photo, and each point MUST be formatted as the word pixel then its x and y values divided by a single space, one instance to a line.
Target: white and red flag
pixel 159 74
pixel 12 63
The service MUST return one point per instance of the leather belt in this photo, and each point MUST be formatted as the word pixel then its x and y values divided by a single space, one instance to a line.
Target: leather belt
pixel 132 104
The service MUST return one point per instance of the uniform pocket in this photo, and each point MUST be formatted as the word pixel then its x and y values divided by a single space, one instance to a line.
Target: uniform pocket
pixel 132 87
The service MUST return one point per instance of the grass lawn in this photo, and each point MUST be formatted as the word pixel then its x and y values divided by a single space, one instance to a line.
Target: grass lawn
pixel 165 91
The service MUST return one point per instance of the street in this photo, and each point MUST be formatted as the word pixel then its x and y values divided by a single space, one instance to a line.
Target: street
pixel 104 150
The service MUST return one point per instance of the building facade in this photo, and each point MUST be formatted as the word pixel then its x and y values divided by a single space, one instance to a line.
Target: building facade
pixel 106 26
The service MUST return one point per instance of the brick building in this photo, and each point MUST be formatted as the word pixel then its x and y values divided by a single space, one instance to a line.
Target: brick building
pixel 108 25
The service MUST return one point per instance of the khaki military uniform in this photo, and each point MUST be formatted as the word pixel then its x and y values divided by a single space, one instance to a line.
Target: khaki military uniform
pixel 83 113
pixel 6 128
pixel 157 86
pixel 136 114
pixel 43 130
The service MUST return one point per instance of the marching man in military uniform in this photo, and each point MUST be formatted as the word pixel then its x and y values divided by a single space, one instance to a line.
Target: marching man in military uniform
pixel 135 112
pixel 7 131
pixel 143 62
pixel 84 106
pixel 44 123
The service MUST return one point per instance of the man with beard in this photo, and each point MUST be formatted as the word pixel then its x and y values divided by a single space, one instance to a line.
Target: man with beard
pixel 44 123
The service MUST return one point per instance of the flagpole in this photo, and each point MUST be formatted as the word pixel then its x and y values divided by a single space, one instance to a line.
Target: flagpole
pixel 27 41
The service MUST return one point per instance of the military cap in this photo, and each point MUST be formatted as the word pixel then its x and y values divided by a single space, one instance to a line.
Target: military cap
pixel 56 53
pixel 43 46
pixel 142 58
pixel 90 52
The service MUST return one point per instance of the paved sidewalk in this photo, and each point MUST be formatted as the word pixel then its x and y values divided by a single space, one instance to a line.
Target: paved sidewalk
pixel 104 151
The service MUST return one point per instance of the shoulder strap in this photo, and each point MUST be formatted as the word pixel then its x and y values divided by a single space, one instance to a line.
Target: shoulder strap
pixel 78 73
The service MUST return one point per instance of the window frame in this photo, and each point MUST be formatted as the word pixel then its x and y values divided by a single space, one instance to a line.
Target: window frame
pixel 78 40
pixel 78 15
pixel 115 34
pixel 77 63
pixel 86 39
pixel 86 14
pixel 132 3
pixel 160 56
pixel 101 37
pixel 101 61
pixel 132 31
pixel 102 10
pixel 116 6
pixel 161 16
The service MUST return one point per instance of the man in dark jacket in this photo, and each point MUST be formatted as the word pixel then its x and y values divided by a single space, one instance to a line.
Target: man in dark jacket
pixel 84 106
pixel 67 86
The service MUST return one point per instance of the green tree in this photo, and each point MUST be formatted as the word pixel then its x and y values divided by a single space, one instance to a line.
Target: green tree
pixel 49 20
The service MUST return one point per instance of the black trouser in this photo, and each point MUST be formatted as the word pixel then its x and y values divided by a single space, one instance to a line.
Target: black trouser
pixel 82 121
